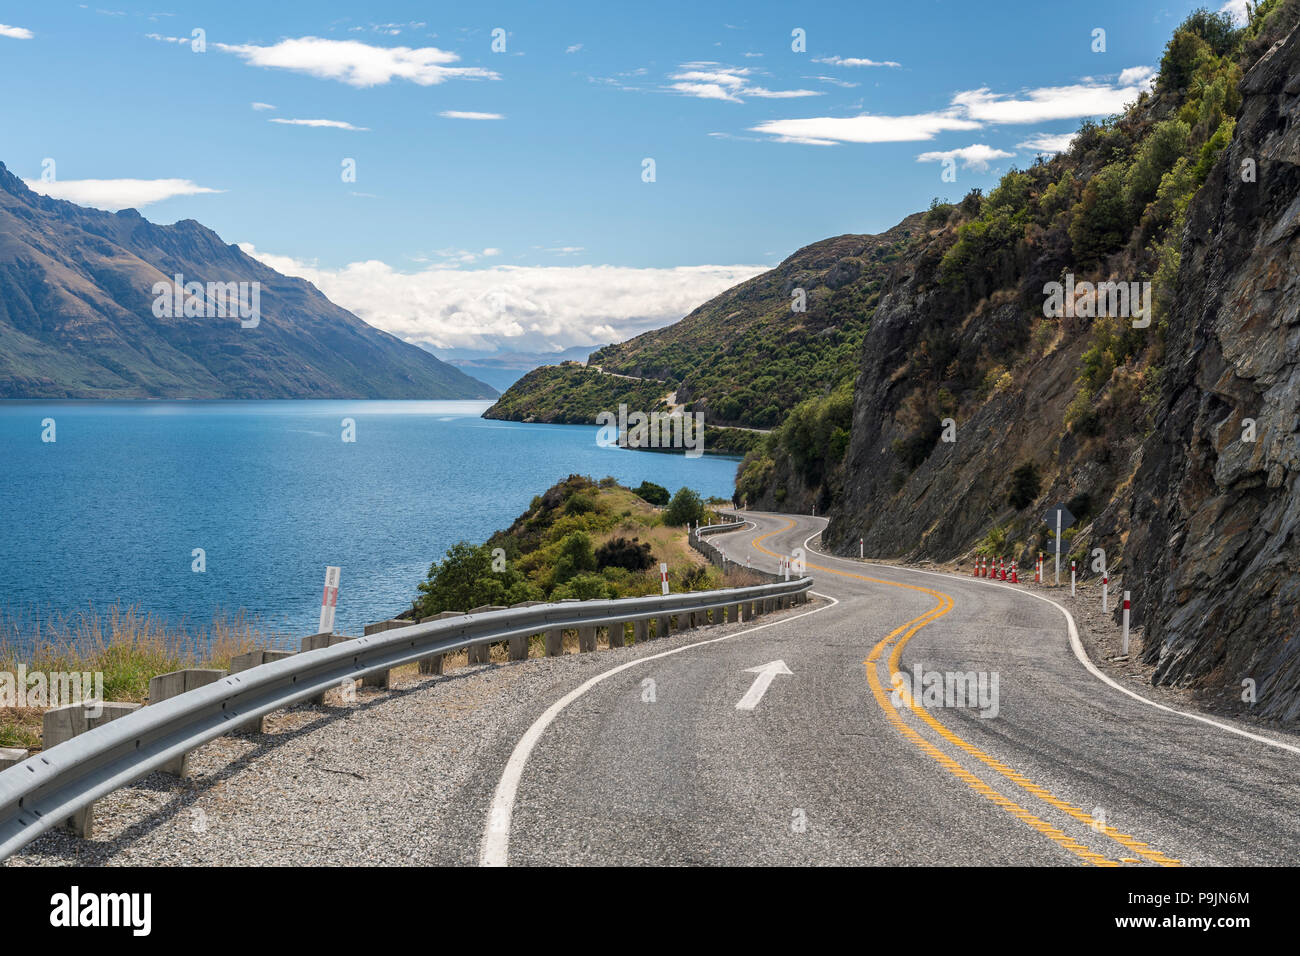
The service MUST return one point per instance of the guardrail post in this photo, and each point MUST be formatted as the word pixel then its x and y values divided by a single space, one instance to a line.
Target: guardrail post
pixel 313 642
pixel 243 662
pixel 746 610
pixel 433 664
pixel 616 634
pixel 586 639
pixel 733 613
pixel 519 643
pixel 60 724
pixel 11 755
pixel 165 686
pixel 482 653
pixel 661 626
pixel 383 679
pixel 640 631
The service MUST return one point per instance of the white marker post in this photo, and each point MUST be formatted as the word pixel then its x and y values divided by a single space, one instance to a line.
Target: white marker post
pixel 1071 579
pixel 1126 623
pixel 785 565
pixel 1105 590
pixel 1057 582
pixel 860 548
pixel 663 577
pixel 329 600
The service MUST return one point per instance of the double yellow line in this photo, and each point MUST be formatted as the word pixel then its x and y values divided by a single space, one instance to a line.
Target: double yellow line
pixel 899 637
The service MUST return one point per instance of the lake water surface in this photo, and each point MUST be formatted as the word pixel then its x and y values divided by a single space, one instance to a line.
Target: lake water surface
pixel 114 507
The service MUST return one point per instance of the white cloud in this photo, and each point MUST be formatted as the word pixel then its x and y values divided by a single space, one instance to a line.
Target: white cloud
pixel 356 63
pixel 828 130
pixel 1048 143
pixel 970 109
pixel 711 81
pixel 1047 103
pixel 853 61
pixel 977 156
pixel 15 33
pixel 528 308
pixel 1137 76
pixel 263 106
pixel 325 123
pixel 462 114
pixel 1237 10
pixel 115 194
pixel 574 49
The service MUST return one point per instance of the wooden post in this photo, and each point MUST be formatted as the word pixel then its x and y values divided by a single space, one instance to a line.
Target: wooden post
pixel 165 686
pixel 482 653
pixel 243 662
pixel 519 644
pixel 63 723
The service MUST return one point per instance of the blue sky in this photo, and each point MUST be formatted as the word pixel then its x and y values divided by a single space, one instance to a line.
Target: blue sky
pixel 536 230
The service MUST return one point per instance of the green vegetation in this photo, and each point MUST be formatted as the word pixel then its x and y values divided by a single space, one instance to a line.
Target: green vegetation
pixel 126 646
pixel 747 358
pixel 655 494
pixel 580 539
pixel 814 439
pixel 572 394
pixel 685 508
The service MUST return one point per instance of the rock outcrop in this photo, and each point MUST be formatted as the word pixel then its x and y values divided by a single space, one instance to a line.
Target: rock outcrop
pixel 1215 546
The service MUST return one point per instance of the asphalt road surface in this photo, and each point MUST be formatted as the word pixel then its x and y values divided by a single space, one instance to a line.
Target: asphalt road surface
pixel 653 762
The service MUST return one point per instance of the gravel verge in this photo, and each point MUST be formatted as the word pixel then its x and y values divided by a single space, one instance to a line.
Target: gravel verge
pixel 398 777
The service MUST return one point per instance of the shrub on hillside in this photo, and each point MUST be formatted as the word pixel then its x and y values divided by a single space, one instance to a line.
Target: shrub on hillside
pixel 1024 486
pixel 621 553
pixel 685 508
pixel 649 491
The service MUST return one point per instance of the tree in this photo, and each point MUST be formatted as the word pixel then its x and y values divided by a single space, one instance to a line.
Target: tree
pixel 465 579
pixel 621 553
pixel 685 508
pixel 649 491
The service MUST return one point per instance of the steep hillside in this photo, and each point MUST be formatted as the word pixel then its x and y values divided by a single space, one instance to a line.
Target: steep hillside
pixel 572 394
pixel 746 357
pixel 973 411
pixel 77 318
pixel 1215 541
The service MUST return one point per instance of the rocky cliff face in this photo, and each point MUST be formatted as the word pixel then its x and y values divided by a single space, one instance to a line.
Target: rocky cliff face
pixel 1215 545
pixel 77 318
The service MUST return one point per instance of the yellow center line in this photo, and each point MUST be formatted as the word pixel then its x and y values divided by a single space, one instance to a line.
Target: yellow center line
pixel 907 630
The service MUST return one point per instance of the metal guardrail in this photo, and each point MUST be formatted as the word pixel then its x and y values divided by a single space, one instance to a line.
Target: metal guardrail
pixel 44 790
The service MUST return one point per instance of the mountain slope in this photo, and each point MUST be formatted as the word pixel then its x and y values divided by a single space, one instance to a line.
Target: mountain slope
pixel 745 358
pixel 77 320
pixel 973 412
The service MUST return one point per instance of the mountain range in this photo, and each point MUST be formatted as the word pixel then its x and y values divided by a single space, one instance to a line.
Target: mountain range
pixel 78 318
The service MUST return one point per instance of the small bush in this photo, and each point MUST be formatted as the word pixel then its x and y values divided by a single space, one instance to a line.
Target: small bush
pixel 649 491
pixel 1024 486
pixel 621 553
pixel 685 508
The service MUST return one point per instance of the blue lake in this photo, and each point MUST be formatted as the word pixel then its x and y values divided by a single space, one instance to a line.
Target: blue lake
pixel 112 510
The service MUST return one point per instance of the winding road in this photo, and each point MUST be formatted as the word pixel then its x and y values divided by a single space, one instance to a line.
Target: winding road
pixel 654 761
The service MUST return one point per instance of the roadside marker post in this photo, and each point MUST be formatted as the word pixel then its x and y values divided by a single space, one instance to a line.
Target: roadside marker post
pixel 860 549
pixel 1105 587
pixel 1071 579
pixel 663 577
pixel 329 601
pixel 1126 623
pixel 1060 518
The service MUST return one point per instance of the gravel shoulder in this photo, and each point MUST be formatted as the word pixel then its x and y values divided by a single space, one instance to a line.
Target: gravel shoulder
pixel 399 777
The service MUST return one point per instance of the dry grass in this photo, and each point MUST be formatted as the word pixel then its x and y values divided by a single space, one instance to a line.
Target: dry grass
pixel 124 645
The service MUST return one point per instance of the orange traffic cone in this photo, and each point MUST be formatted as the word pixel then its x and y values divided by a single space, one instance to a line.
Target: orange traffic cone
pixel 1015 578
pixel 1002 568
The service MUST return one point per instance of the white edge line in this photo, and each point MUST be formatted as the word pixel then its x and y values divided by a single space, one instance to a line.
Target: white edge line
pixel 1075 645
pixel 495 848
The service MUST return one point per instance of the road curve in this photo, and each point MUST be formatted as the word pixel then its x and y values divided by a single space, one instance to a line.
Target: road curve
pixel 654 763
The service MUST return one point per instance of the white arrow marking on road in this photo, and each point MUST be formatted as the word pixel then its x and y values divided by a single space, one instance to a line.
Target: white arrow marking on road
pixel 765 672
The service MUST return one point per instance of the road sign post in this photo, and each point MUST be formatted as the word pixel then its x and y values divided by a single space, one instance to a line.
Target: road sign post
pixel 329 601
pixel 663 577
